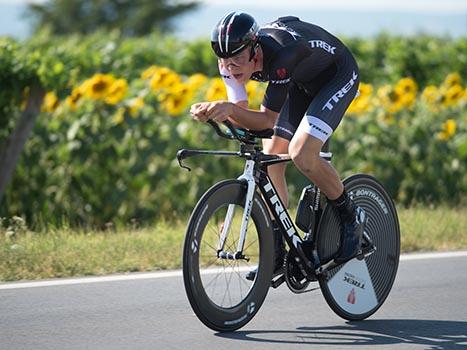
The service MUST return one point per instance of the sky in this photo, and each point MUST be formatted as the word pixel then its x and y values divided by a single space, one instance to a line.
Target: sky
pixel 426 6
pixel 348 17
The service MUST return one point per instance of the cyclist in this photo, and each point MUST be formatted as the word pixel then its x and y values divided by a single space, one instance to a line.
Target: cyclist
pixel 312 78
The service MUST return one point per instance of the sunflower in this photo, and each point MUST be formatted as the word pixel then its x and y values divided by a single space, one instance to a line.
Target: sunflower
pixel 251 89
pixel 164 78
pixel 430 94
pixel 135 106
pixel 117 91
pixel 365 90
pixel 74 98
pixel 255 93
pixel 98 86
pixel 175 104
pixel 359 106
pixel 453 95
pixel 361 103
pixel 184 90
pixel 406 89
pixel 119 116
pixel 390 99
pixel 216 90
pixel 452 79
pixel 149 72
pixel 389 119
pixel 197 80
pixel 175 100
pixel 50 103
pixel 448 130
pixel 406 86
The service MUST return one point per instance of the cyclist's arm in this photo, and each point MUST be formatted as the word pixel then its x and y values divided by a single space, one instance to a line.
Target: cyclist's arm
pixel 266 117
pixel 243 116
pixel 253 119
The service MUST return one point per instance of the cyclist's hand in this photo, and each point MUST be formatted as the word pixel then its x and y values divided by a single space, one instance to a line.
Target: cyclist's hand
pixel 198 111
pixel 220 110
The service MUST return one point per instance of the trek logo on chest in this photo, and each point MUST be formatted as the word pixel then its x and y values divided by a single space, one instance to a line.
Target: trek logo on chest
pixel 283 216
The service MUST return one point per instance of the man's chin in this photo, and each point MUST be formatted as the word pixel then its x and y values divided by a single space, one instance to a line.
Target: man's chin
pixel 240 78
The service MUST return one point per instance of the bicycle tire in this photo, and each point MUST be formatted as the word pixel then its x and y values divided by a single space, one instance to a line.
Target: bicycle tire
pixel 211 312
pixel 357 289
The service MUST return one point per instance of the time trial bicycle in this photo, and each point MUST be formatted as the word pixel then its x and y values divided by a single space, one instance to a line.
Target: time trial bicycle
pixel 230 232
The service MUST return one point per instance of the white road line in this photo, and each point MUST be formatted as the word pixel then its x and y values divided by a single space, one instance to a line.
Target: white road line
pixel 434 255
pixel 178 273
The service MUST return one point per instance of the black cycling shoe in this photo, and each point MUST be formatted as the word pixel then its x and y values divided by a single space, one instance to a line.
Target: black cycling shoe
pixel 351 236
pixel 279 255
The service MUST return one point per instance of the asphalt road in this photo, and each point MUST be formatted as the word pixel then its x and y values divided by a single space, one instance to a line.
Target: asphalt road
pixel 427 309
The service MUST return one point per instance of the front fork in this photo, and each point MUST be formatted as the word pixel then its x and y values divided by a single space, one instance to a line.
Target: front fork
pixel 250 180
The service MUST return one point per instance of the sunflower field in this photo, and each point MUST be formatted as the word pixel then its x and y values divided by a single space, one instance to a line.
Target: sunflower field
pixel 116 112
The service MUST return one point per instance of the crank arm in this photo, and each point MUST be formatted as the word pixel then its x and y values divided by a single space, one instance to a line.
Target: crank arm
pixel 307 290
pixel 278 281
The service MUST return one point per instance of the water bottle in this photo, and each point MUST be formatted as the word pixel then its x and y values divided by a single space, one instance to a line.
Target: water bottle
pixel 305 219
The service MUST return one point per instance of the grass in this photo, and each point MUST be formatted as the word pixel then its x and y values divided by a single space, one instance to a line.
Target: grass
pixel 65 253
pixel 435 229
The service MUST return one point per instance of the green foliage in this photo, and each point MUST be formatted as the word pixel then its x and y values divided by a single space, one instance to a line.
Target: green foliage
pixel 406 153
pixel 86 167
pixel 132 18
pixel 427 59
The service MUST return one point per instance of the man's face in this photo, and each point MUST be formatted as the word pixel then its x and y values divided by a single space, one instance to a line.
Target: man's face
pixel 239 66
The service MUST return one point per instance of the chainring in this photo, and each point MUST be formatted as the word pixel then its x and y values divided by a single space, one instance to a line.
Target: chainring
pixel 294 277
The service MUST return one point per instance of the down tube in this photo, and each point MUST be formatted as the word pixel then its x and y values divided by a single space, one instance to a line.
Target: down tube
pixel 282 216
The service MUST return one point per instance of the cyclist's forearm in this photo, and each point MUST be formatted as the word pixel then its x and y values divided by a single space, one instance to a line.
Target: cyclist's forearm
pixel 253 119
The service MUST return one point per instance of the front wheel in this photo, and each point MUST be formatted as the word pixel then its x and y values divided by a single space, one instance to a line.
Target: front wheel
pixel 220 295
pixel 358 288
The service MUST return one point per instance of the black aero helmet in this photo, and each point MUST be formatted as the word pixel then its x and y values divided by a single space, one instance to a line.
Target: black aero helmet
pixel 233 33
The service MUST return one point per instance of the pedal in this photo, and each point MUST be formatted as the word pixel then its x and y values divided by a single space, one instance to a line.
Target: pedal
pixel 275 283
pixel 325 267
pixel 368 251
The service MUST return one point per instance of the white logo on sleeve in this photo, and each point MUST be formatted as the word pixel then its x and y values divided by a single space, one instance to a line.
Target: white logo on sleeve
pixel 280 26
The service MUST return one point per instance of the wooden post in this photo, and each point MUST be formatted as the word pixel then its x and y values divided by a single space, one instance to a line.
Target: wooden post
pixel 14 145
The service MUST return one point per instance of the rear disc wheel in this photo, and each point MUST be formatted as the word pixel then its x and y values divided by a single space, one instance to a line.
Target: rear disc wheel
pixel 358 288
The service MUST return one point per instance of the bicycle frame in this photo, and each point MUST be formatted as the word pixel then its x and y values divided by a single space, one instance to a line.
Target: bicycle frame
pixel 350 291
pixel 255 175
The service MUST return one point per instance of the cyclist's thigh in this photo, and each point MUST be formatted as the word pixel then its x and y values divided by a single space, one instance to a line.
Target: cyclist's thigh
pixel 292 112
pixel 327 108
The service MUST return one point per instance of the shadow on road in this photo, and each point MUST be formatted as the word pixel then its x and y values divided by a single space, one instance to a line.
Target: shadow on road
pixel 432 334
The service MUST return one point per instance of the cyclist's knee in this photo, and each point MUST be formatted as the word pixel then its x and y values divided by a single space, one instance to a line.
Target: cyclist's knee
pixel 305 153
pixel 306 162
